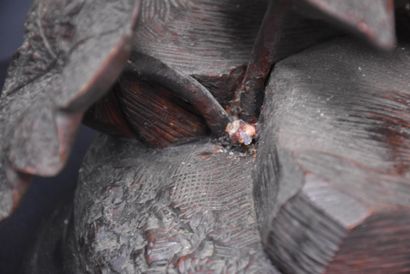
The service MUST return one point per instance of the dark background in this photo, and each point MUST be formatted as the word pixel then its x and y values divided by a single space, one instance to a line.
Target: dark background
pixel 18 231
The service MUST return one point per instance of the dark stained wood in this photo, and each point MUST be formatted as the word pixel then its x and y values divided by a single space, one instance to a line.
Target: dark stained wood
pixel 71 57
pixel 106 116
pixel 212 40
pixel 370 19
pixel 374 20
pixel 332 179
pixel 207 39
pixel 183 209
pixel 332 169
pixel 68 60
pixel 186 87
pixel 158 116
pixel 248 96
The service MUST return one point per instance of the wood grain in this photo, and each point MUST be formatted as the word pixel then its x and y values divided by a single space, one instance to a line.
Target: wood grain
pixel 332 171
pixel 106 116
pixel 158 116
pixel 212 40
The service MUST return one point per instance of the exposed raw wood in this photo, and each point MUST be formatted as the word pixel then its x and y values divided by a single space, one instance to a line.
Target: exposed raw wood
pixel 71 56
pixel 221 66
pixel 213 40
pixel 325 188
pixel 208 39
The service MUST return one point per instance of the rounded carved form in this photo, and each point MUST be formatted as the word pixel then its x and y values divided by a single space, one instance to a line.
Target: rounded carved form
pixel 183 209
pixel 332 178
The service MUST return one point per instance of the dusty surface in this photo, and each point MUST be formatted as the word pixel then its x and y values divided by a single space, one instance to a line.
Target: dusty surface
pixel 70 57
pixel 182 209
pixel 333 165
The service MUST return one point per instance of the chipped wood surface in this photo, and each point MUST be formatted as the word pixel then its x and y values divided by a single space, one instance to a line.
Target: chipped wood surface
pixel 220 68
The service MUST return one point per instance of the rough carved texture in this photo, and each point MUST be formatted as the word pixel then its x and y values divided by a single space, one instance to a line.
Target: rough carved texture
pixel 201 36
pixel 212 39
pixel 73 52
pixel 183 209
pixel 332 177
pixel 226 28
pixel 373 20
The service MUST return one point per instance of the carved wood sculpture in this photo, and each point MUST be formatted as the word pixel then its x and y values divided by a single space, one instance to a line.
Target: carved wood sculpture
pixel 68 60
pixel 334 151
pixel 183 185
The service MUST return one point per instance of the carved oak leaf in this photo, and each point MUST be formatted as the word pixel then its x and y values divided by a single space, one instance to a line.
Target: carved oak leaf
pixel 333 165
pixel 70 57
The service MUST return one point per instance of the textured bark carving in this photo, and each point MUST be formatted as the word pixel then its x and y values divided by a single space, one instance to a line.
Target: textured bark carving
pixel 332 176
pixel 183 209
